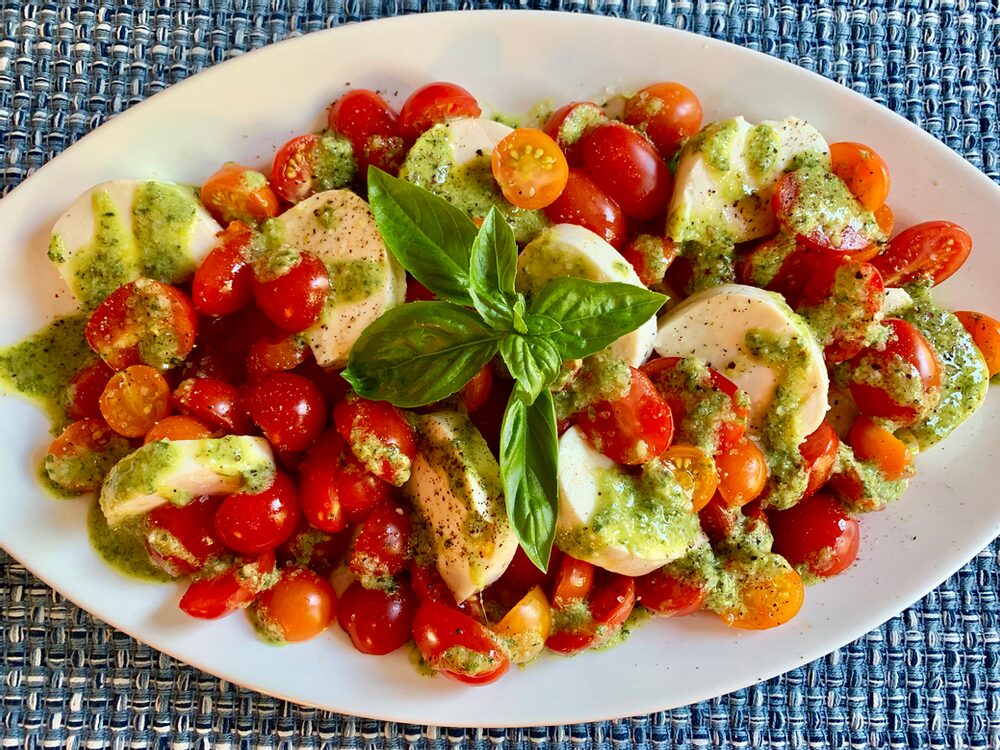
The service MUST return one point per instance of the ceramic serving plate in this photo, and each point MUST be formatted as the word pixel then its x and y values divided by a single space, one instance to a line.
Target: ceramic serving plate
pixel 243 109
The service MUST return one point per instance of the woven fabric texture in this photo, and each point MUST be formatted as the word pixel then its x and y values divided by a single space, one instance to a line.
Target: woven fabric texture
pixel 930 677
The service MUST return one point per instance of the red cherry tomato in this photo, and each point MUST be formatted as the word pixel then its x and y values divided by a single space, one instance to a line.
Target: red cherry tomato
pixel 427 584
pixel 718 519
pixel 610 602
pixel 668 113
pixel 372 127
pixel 252 522
pixel 379 435
pixel 377 621
pixel 852 295
pixel 816 533
pixel 667 595
pixel 934 249
pixel 278 353
pixel 311 548
pixel 458 646
pixel 238 193
pixel 143 322
pixel 308 164
pixel 300 606
pixel 569 126
pixel 223 282
pixel 520 577
pixel 628 169
pixel 583 203
pixel 381 548
pixel 574 580
pixel 475 393
pixel 819 451
pixel 289 408
pixel 650 256
pixel 233 588
pixel 433 104
pixel 213 402
pixel 181 539
pixel 83 394
pixel 632 429
pixel 292 298
pixel 780 265
pixel 208 361
pixel 489 417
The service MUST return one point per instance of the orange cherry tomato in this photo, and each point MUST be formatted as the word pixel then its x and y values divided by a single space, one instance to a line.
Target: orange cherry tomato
pixel 885 219
pixel 768 598
pixel 526 627
pixel 134 400
pixel 985 332
pixel 694 470
pixel 872 442
pixel 819 451
pixel 574 580
pixel 742 472
pixel 238 193
pixel 80 457
pixel 177 427
pixel 530 168
pixel 863 171
pixel 300 606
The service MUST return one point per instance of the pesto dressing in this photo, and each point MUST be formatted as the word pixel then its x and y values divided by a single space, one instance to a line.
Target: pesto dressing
pixel 122 548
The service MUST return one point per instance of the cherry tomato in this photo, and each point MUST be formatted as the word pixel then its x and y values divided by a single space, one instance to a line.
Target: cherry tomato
pixel 489 417
pixel 278 353
pixel 381 548
pixel 831 229
pixel 610 603
pixel 632 429
pixel 300 606
pixel 311 548
pixel 650 256
pixel 526 626
pixel 289 408
pixel 569 127
pixel 293 297
pixel 667 595
pixel 143 322
pixel 519 578
pixel 134 400
pixel 885 219
pixel 819 451
pixel 475 393
pixel 934 250
pixel 308 164
pixel 668 113
pixel 235 333
pixel 82 455
pixel 816 533
pixel 432 104
pixel 417 292
pixel 583 203
pixel 628 169
pixel 177 427
pixel 780 264
pixel 900 381
pixel 83 394
pixel 719 519
pixel 769 598
pixel 530 168
pixel 377 621
pixel 213 402
pixel 574 580
pixel 852 295
pixel 238 193
pixel 335 489
pixel 212 362
pixel 872 442
pixel 457 645
pixel 232 588
pixel 742 472
pixel 985 332
pixel 427 583
pixel 223 283
pixel 694 470
pixel 863 171
pixel 379 435
pixel 252 522
pixel 371 125
pixel 181 539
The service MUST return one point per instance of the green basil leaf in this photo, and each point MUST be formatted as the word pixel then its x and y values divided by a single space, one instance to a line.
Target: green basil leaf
pixel 533 361
pixel 593 314
pixel 529 462
pixel 492 267
pixel 427 235
pixel 541 324
pixel 419 353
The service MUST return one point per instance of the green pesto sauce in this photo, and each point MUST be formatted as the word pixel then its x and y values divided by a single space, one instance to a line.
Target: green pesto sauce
pixel 268 630
pixel 716 144
pixel 713 262
pixel 160 341
pixel 579 122
pixel 57 249
pixel 40 367
pixel 601 377
pixel 54 490
pixel 352 280
pixel 163 219
pixel 650 249
pixel 122 548
pixel 769 258
pixel 334 165
pixel 637 616
pixel 763 147
pixel 469 187
pixel 110 260
pixel 825 204
pixel 418 661
pixel 275 261
pixel 875 491
pixel 382 459
pixel 842 315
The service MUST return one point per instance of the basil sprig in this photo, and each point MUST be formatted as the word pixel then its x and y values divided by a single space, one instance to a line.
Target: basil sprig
pixel 422 352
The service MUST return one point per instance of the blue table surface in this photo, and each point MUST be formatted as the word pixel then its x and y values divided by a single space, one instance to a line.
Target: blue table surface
pixel 930 677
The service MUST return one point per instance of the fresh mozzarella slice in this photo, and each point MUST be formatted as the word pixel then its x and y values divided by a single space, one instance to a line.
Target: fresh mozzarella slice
pixel 365 280
pixel 455 486
pixel 622 523
pixel 896 301
pixel 123 229
pixel 716 325
pixel 571 250
pixel 726 175
pixel 473 138
pixel 177 471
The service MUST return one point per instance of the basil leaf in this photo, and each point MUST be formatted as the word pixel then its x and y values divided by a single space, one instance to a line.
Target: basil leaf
pixel 492 267
pixel 419 353
pixel 541 324
pixel 593 314
pixel 427 235
pixel 529 461
pixel 533 361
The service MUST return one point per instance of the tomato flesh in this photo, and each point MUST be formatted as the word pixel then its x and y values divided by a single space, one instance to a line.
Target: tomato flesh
pixel 742 472
pixel 83 394
pixel 381 548
pixel 432 104
pixel 238 193
pixel 134 400
pixel 82 455
pixel 933 250
pixel 530 168
pixel 233 588
pixel 458 646
pixel 379 436
pixel 181 539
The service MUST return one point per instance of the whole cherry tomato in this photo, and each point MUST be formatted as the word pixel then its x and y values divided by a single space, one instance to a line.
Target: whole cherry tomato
pixel 816 533
pixel 289 408
pixel 628 169
pixel 377 621
pixel 371 126
pixel 300 606
pixel 583 203
pixel 668 113
pixel 252 522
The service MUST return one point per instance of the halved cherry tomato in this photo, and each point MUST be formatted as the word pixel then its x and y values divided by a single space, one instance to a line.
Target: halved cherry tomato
pixel 252 522
pixel 232 588
pixel 300 606
pixel 311 548
pixel 570 125
pixel 308 164
pixel 742 472
pixel 872 442
pixel 330 383
pixel 899 381
pixel 83 394
pixel 632 429
pixel 650 256
pixel 213 402
pixel 143 322
pixel 781 264
pixel 417 292
pixel 82 455
pixel 177 427
pixel 427 583
pixel 985 332
pixel 289 408
pixel 381 547
pixel 238 193
pixel 432 104
pixel 181 539
pixel 223 283
pixel 667 595
pixel 695 472
pixel 378 621
pixel 489 417
pixel 863 171
pixel 293 296
pixel 819 451
pixel 530 168
pixel 583 203
pixel 379 435
pixel 816 533
pixel 458 646
pixel 134 400
pixel 769 598
pixel 574 581
pixel 718 519
pixel 372 127
pixel 610 603
pixel 277 353
pixel 851 295
pixel 932 250
pixel 668 113
pixel 526 626
pixel 234 334
pixel 628 169
pixel 519 578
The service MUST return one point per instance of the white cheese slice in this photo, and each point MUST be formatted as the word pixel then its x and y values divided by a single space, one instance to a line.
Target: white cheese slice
pixel 474 137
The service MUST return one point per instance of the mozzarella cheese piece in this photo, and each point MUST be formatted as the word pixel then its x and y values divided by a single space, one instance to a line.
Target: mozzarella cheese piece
pixel 713 326
pixel 571 250
pixel 614 520
pixel 726 175
pixel 178 471
pixel 896 301
pixel 365 280
pixel 455 486
pixel 123 229
pixel 474 137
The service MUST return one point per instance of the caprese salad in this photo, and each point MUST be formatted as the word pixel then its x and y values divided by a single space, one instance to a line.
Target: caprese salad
pixel 497 389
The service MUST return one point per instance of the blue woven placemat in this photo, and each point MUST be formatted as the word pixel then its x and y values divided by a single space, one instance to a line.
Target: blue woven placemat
pixel 930 677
